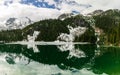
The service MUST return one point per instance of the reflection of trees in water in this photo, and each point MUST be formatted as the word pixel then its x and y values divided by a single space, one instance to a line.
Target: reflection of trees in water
pixel 50 54
pixel 108 61
pixel 13 54
pixel 76 52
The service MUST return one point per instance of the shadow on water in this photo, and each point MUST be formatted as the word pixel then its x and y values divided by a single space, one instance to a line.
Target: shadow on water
pixel 78 56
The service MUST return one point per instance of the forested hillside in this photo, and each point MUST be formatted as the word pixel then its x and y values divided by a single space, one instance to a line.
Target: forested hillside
pixel 50 29
pixel 109 22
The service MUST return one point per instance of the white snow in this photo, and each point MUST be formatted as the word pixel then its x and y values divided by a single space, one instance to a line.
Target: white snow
pixel 74 32
pixel 18 59
pixel 17 23
pixel 31 40
pixel 65 37
pixel 73 52
pixel 77 31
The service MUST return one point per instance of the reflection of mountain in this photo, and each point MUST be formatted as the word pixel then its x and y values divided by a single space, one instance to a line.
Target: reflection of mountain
pixel 48 54
pixel 17 23
pixel 106 62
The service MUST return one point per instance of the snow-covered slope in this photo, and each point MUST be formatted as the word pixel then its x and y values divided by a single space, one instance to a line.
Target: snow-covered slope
pixel 74 32
pixel 17 23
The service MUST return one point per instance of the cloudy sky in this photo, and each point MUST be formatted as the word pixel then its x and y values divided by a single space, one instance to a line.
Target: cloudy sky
pixel 42 9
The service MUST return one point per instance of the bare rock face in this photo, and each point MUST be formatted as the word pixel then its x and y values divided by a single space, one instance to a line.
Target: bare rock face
pixel 96 12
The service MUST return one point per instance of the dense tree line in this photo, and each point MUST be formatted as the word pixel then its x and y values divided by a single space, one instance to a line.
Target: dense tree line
pixel 109 22
pixel 49 29
pixel 88 36
pixel 11 35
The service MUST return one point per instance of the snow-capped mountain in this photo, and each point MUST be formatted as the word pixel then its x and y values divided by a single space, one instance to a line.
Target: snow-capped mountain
pixel 16 23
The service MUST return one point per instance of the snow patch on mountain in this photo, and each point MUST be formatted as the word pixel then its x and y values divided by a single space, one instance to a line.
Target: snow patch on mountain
pixel 74 32
pixel 31 40
pixel 17 23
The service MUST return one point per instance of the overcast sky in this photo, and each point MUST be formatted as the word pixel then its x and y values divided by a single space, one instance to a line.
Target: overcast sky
pixel 101 4
pixel 14 8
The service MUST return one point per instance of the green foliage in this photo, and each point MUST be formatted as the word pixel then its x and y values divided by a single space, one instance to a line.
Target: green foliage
pixel 88 36
pixel 49 29
pixel 11 35
pixel 109 22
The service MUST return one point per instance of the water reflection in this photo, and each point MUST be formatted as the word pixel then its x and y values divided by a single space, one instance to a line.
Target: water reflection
pixel 76 52
pixel 69 59
pixel 108 61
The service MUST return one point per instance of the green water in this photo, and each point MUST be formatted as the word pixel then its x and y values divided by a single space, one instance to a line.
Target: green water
pixel 68 59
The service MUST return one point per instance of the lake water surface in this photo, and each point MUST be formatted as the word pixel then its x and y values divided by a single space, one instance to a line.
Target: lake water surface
pixel 66 59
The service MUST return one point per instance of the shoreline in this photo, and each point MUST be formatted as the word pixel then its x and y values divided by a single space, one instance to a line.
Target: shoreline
pixel 46 43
